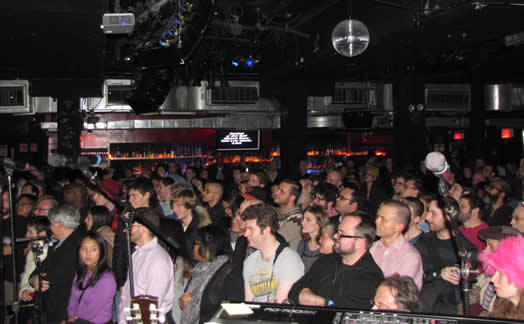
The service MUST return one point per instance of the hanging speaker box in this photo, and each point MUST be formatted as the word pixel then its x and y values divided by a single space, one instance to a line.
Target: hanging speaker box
pixel 357 118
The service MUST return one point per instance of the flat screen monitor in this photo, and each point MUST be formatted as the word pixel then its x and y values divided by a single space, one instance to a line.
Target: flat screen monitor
pixel 238 140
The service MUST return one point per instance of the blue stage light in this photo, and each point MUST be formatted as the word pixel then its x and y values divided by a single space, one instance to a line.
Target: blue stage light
pixel 250 62
pixel 235 63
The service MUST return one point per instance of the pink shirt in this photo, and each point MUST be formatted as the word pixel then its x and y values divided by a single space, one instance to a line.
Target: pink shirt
pixel 153 275
pixel 401 258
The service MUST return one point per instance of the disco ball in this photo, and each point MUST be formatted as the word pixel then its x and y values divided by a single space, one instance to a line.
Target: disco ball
pixel 350 37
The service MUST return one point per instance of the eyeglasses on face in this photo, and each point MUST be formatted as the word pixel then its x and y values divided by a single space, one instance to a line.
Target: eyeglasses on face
pixel 341 235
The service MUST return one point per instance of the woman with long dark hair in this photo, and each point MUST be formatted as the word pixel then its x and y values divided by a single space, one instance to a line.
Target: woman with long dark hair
pixel 94 286
pixel 207 286
pixel 98 220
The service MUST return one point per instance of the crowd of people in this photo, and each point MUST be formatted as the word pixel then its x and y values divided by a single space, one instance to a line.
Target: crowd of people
pixel 357 234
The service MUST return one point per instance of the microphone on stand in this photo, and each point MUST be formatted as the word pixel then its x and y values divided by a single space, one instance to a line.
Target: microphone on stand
pixel 31 239
pixel 437 164
pixel 16 165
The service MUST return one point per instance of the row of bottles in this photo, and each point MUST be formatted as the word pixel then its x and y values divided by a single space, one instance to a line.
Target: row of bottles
pixel 155 151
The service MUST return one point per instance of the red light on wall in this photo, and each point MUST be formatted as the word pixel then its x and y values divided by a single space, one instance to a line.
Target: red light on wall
pixel 457 136
pixel 506 133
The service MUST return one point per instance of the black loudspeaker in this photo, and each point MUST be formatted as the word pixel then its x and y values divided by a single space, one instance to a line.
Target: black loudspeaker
pixel 357 118
pixel 151 90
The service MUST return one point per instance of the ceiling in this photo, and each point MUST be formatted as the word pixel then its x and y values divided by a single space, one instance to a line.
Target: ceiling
pixel 447 40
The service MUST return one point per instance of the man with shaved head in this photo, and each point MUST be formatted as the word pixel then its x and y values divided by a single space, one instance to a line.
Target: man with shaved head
pixel 335 178
pixel 212 195
pixel 392 252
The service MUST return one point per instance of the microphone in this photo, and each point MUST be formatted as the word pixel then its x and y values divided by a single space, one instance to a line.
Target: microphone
pixel 83 162
pixel 31 239
pixel 437 164
pixel 16 165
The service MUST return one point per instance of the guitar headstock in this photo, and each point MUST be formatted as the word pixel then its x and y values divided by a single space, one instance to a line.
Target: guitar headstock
pixel 144 310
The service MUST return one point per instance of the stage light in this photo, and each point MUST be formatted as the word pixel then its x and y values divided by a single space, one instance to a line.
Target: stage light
pixel 235 63
pixel 250 62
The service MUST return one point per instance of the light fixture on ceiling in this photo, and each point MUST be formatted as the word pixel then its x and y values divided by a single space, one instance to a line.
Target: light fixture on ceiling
pixel 350 37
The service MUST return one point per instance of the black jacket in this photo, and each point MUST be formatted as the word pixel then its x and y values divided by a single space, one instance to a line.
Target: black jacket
pixel 347 286
pixel 60 268
pixel 218 289
pixel 437 294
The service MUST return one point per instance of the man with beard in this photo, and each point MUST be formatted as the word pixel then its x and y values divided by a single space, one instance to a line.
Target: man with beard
pixel 471 211
pixel 440 290
pixel 499 194
pixel 347 278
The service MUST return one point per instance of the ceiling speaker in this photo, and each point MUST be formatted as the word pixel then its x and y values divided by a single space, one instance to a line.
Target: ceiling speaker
pixel 151 90
pixel 357 118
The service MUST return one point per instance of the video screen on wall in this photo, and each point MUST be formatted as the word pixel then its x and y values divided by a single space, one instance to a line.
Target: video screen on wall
pixel 238 140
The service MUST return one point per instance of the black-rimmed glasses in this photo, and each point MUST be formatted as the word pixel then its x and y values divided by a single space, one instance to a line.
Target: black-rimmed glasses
pixel 339 234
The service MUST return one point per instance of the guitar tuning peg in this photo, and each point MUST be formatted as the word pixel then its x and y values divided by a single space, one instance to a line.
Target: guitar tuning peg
pixel 152 307
pixel 162 318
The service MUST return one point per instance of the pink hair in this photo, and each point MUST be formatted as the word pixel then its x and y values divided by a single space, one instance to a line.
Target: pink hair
pixel 507 258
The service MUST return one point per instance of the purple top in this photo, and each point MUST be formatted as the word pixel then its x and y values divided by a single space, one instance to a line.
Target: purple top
pixel 97 302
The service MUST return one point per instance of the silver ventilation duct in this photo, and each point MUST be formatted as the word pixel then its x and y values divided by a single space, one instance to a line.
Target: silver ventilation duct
pixel 504 97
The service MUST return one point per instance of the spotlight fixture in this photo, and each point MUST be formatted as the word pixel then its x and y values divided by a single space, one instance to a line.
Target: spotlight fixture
pixel 249 62
pixel 235 63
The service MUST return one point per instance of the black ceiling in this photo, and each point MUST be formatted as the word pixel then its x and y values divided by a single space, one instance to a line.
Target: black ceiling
pixel 447 40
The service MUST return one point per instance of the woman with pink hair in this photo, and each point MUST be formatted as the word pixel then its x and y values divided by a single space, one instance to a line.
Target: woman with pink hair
pixel 506 264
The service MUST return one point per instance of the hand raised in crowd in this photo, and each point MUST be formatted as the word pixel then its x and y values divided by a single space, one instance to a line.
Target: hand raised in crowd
pixel 185 299
pixel 451 274
pixel 45 283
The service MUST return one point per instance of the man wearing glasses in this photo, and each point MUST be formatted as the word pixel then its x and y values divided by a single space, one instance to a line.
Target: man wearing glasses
pixel 325 196
pixel 43 205
pixel 347 201
pixel 346 278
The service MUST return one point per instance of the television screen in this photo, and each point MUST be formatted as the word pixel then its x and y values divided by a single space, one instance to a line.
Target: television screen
pixel 238 140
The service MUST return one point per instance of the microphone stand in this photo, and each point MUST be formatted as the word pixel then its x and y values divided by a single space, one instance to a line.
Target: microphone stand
pixel 16 303
pixel 2 270
pixel 130 268
pixel 466 271
pixel 122 204
pixel 39 315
